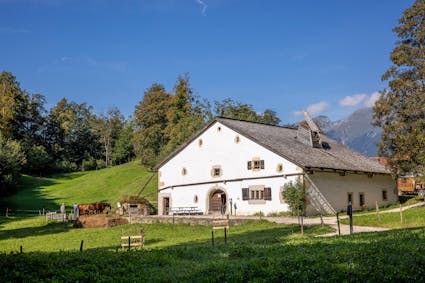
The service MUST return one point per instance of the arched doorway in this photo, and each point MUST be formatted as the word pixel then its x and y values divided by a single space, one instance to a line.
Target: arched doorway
pixel 217 202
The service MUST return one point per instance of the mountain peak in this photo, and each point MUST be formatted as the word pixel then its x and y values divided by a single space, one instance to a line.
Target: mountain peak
pixel 355 131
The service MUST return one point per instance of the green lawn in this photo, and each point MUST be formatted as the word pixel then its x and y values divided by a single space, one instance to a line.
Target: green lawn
pixel 35 234
pixel 256 252
pixel 81 187
pixel 414 217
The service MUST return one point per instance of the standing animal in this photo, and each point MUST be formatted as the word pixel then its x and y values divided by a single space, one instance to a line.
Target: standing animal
pixel 86 209
pixel 99 207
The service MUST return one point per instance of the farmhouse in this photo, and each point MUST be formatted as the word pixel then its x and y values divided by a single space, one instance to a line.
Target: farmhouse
pixel 238 167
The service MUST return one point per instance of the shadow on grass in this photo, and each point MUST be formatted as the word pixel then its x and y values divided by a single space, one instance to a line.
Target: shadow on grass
pixel 29 195
pixel 49 228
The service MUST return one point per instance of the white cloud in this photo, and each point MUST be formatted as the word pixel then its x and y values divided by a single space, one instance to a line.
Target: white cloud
pixel 203 7
pixel 353 100
pixel 365 99
pixel 370 102
pixel 314 109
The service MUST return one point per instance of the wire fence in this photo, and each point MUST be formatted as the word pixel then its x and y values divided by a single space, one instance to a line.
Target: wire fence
pixel 48 214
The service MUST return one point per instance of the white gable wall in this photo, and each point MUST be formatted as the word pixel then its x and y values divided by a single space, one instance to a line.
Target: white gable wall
pixel 220 149
pixel 335 188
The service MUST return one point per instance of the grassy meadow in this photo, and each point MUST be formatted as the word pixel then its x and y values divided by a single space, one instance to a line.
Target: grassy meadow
pixel 414 217
pixel 105 185
pixel 255 252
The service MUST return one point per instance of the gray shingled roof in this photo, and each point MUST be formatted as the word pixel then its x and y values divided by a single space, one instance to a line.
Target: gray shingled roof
pixel 283 141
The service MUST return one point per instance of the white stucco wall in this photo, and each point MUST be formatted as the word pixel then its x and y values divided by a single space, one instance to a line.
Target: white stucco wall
pixel 335 188
pixel 220 149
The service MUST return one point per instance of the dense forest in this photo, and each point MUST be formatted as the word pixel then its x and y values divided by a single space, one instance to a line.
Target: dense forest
pixel 72 137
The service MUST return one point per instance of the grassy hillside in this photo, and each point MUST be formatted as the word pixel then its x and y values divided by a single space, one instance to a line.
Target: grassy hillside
pixel 105 185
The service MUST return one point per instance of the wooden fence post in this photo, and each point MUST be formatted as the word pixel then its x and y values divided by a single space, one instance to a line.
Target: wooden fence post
pixel 81 245
pixel 212 238
pixel 20 249
pixel 401 215
pixel 337 220
pixel 7 212
pixel 225 235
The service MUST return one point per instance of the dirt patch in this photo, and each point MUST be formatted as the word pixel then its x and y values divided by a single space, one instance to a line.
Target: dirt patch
pixel 99 220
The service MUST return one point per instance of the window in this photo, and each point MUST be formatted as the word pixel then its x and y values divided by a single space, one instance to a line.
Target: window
pixel 362 200
pixel 255 165
pixel 184 171
pixel 195 198
pixel 200 142
pixel 349 198
pixel 218 129
pixel 384 195
pixel 216 171
pixel 237 139
pixel 257 193
pixel 279 168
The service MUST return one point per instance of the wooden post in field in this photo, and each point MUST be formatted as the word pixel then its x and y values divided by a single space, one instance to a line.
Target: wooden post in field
pixel 81 245
pixel 377 211
pixel 339 227
pixel 302 225
pixel 401 215
pixel 20 249
pixel 7 212
pixel 212 238
pixel 44 212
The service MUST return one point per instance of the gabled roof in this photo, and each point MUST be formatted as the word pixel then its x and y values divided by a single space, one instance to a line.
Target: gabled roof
pixel 283 142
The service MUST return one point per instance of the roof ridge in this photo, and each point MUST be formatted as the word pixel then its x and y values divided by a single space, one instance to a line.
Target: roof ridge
pixel 254 122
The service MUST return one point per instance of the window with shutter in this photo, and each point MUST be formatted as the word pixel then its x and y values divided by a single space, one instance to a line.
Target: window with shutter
pixel 245 194
pixel 268 193
pixel 262 164
pixel 249 165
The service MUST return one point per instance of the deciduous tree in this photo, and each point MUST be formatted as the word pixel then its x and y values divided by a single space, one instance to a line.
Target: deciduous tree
pixel 400 110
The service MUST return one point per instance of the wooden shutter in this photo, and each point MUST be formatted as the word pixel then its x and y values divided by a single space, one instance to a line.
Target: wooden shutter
pixel 268 193
pixel 262 164
pixel 245 194
pixel 249 165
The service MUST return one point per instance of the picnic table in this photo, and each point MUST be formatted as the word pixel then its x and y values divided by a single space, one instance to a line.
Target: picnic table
pixel 186 210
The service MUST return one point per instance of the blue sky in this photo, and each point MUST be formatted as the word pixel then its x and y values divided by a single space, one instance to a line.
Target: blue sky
pixel 324 56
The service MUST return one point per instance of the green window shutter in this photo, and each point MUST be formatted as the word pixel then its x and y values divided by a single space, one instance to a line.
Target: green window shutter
pixel 245 194
pixel 268 193
pixel 262 164
pixel 249 165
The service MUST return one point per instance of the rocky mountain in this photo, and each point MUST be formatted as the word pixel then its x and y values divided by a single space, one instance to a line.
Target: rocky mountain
pixel 355 131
